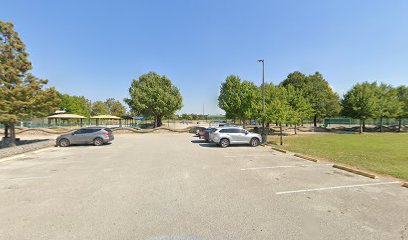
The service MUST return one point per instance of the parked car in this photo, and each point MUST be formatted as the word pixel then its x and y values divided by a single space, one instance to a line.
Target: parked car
pixel 224 136
pixel 206 134
pixel 91 135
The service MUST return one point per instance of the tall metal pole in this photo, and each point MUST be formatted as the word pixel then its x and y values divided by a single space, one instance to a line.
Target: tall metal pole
pixel 263 86
pixel 263 134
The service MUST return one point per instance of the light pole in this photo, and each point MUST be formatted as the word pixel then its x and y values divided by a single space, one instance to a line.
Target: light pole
pixel 263 134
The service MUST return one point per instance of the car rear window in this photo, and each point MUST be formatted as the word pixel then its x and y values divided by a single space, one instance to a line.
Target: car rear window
pixel 108 129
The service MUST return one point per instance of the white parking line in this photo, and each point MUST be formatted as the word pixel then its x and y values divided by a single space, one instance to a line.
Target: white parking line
pixel 42 150
pixel 12 157
pixel 23 178
pixel 338 187
pixel 241 156
pixel 289 166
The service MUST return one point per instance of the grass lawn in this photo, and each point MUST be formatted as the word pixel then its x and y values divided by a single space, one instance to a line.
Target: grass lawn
pixel 384 153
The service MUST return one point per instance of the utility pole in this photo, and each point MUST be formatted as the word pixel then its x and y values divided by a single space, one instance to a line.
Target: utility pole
pixel 263 134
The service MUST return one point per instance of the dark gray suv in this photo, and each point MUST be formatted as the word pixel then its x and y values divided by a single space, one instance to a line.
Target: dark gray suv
pixel 91 135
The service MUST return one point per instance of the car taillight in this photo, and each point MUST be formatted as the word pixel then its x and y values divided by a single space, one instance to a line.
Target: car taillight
pixel 107 133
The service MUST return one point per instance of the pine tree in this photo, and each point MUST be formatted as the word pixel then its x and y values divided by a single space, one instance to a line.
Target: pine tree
pixel 22 95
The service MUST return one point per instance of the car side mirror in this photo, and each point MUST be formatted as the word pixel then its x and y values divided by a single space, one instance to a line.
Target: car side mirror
pixel 246 132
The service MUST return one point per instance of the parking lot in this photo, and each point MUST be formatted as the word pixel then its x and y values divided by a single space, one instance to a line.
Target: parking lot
pixel 174 186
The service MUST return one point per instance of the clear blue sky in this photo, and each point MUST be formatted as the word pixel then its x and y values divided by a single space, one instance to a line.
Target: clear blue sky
pixel 95 48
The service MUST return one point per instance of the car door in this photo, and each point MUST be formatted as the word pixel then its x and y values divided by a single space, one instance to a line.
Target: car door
pixel 243 136
pixel 234 134
pixel 76 137
pixel 81 136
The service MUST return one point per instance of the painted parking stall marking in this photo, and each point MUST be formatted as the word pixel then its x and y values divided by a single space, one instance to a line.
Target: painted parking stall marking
pixel 288 166
pixel 336 187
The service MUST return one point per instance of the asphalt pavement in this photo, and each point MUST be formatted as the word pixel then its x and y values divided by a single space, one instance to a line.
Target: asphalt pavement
pixel 173 186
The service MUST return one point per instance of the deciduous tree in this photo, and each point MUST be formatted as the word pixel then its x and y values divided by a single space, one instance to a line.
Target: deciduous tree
pixel 75 104
pixel 402 93
pixel 361 102
pixel 324 101
pixel 99 108
pixel 240 99
pixel 154 95
pixel 115 107
pixel 389 106
pixel 301 108
pixel 277 107
pixel 229 99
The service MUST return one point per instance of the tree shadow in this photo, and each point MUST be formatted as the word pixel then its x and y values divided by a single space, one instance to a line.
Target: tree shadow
pixel 20 142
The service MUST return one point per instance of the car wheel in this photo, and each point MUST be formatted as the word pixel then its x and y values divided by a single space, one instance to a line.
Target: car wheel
pixel 254 142
pixel 98 141
pixel 224 143
pixel 64 142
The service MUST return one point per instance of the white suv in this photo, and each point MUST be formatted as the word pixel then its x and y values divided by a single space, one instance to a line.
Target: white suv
pixel 225 136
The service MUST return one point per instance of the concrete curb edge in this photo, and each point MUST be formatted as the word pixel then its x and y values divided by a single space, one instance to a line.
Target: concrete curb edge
pixel 348 169
pixel 306 157
pixel 279 150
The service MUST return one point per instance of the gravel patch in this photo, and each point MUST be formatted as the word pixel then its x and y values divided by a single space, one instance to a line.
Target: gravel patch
pixel 26 146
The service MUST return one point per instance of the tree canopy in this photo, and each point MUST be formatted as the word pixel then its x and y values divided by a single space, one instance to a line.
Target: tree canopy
pixel 154 95
pixel 361 102
pixel 115 107
pixel 75 104
pixel 324 101
pixel 240 99
pixel 99 108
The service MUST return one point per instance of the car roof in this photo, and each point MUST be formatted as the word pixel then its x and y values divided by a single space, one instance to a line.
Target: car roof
pixel 227 127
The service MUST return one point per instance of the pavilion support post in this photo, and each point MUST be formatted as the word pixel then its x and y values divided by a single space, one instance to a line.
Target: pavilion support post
pixel 81 122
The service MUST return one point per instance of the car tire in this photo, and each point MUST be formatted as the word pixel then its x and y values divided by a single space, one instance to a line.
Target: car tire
pixel 64 142
pixel 254 142
pixel 224 143
pixel 98 141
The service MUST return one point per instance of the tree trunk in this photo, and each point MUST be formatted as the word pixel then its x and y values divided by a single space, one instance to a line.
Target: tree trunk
pixel 381 124
pixel 315 120
pixel 243 123
pixel 12 135
pixel 361 126
pixel 364 125
pixel 281 134
pixel 159 121
pixel 399 124
pixel 295 129
pixel 155 121
pixel 6 130
pixel 267 130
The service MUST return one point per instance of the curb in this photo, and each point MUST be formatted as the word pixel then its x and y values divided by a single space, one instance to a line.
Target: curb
pixel 279 150
pixel 405 184
pixel 23 154
pixel 369 175
pixel 306 157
